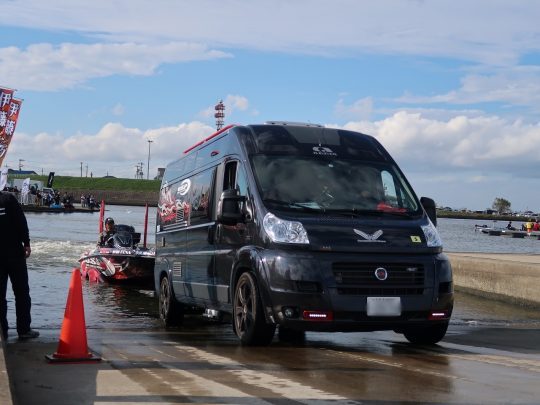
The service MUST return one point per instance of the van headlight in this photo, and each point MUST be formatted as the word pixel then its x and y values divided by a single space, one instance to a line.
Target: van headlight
pixel 283 231
pixel 432 235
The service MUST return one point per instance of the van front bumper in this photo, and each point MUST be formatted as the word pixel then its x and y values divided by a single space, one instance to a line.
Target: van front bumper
pixel 330 292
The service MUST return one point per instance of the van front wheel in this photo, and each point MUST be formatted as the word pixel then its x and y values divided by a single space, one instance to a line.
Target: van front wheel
pixel 248 316
pixel 170 311
pixel 426 335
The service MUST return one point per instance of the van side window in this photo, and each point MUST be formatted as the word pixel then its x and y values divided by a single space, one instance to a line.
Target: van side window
pixel 390 194
pixel 229 177
pixel 201 197
pixel 394 194
pixel 189 162
pixel 234 177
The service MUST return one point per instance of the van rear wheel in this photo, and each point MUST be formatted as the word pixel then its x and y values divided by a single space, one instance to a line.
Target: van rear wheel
pixel 170 311
pixel 426 335
pixel 248 316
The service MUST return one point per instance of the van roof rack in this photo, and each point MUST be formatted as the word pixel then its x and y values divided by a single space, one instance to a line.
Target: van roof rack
pixel 295 124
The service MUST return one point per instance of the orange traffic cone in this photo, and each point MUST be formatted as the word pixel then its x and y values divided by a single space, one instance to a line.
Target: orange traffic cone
pixel 73 346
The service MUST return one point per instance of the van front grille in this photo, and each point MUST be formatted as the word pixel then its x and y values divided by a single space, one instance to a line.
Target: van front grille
pixel 360 279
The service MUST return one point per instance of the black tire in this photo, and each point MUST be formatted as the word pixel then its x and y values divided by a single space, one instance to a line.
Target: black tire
pixel 170 311
pixel 249 322
pixel 426 335
pixel 291 335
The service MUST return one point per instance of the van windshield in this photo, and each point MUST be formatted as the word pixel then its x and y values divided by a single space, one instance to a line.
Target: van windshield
pixel 310 184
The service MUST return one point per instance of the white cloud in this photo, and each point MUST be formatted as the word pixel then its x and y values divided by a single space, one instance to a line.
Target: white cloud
pixel 488 31
pixel 359 110
pixel 236 102
pixel 518 86
pixel 50 67
pixel 460 143
pixel 114 149
pixel 464 161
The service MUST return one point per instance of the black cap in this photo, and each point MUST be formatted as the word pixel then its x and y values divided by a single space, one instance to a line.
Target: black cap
pixel 109 221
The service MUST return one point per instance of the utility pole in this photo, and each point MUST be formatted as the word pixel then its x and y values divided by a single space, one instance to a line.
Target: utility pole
pixel 20 164
pixel 148 166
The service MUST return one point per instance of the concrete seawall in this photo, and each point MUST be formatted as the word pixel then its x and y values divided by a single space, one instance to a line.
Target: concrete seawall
pixel 505 277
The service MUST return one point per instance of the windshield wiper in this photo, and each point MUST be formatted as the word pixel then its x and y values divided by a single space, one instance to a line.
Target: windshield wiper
pixel 355 212
pixel 293 205
pixel 387 213
pixel 352 212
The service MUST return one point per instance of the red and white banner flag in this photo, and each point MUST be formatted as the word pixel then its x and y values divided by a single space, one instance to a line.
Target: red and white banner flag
pixel 5 98
pixel 9 114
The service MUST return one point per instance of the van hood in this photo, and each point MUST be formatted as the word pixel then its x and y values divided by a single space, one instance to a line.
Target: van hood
pixel 346 235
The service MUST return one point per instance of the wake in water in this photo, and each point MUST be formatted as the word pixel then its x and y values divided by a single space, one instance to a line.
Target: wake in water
pixel 57 253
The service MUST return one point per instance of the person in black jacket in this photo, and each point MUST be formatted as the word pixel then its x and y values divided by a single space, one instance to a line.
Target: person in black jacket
pixel 14 249
pixel 104 239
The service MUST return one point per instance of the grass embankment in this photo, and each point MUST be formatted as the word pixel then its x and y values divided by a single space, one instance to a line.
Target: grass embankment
pixel 474 215
pixel 96 183
pixel 112 190
pixel 140 192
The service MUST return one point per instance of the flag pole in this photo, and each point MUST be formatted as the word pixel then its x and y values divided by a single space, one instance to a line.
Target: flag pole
pixel 145 226
pixel 101 215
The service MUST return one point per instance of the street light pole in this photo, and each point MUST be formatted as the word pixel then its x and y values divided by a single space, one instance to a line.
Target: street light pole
pixel 148 166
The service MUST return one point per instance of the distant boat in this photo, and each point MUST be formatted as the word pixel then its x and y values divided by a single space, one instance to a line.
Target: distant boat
pixel 513 233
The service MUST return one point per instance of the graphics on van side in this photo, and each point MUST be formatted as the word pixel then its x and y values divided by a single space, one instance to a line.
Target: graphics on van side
pixel 184 187
pixel 173 208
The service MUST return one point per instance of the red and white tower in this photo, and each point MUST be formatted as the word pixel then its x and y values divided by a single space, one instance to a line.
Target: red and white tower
pixel 220 114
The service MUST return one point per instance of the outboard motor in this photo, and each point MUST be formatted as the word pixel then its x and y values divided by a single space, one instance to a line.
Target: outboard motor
pixel 122 240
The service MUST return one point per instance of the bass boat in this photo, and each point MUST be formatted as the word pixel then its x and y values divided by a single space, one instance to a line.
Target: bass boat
pixel 122 260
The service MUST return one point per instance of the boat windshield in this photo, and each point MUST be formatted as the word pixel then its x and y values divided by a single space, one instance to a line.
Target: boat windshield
pixel 333 186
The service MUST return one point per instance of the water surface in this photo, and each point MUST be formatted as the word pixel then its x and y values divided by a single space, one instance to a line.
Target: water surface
pixel 58 239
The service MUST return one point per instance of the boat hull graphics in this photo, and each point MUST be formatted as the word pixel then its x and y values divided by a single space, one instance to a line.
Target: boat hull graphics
pixel 118 265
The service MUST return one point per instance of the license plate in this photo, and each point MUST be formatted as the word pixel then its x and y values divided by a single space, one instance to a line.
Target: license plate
pixel 383 306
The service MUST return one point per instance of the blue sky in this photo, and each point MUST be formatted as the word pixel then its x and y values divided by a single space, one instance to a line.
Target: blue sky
pixel 451 88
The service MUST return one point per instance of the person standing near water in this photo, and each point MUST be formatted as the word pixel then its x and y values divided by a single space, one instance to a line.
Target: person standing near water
pixel 14 250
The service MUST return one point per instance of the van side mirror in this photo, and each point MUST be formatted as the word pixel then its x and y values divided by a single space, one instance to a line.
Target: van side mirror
pixel 430 208
pixel 230 205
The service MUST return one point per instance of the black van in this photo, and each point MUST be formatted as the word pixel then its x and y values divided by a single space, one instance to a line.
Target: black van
pixel 301 226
